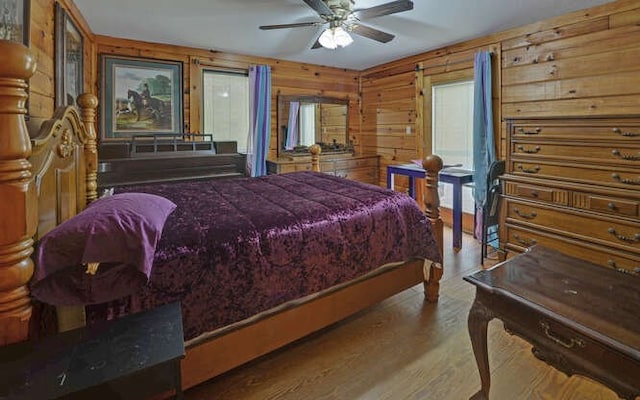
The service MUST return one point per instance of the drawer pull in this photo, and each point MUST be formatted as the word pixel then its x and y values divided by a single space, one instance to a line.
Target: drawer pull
pixel 566 343
pixel 625 180
pixel 533 170
pixel 620 132
pixel 529 151
pixel 629 157
pixel 533 132
pixel 635 271
pixel 628 239
pixel 612 206
pixel 525 215
pixel 526 243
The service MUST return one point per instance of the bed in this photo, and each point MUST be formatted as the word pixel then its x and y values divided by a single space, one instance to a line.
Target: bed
pixel 51 176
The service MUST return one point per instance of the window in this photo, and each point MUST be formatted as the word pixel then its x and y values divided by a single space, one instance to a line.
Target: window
pixel 452 127
pixel 225 106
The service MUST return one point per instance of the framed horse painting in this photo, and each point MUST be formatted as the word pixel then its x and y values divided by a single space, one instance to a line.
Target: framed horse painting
pixel 140 96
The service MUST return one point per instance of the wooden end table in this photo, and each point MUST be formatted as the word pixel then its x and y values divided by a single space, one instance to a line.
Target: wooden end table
pixel 132 357
pixel 580 318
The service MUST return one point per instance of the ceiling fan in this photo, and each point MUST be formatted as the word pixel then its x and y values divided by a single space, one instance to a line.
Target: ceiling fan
pixel 343 19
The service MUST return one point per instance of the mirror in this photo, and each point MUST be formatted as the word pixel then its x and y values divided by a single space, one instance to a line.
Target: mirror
pixel 306 120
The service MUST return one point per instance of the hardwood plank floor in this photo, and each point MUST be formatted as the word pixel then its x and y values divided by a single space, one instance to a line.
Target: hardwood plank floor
pixel 403 348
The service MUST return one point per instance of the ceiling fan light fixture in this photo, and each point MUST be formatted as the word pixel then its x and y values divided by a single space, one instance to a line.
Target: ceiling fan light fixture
pixel 343 20
pixel 342 37
pixel 331 38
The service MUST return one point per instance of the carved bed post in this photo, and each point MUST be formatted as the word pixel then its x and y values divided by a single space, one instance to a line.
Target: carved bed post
pixel 432 165
pixel 88 103
pixel 19 208
pixel 315 151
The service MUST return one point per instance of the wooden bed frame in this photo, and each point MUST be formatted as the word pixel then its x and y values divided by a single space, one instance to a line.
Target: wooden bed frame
pixel 51 175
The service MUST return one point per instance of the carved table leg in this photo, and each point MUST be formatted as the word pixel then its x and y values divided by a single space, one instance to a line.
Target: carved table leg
pixel 479 317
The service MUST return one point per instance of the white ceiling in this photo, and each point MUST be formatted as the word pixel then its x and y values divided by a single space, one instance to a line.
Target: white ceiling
pixel 232 25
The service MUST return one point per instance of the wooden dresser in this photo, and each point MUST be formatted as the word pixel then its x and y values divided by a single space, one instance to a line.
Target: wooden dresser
pixel 362 168
pixel 573 184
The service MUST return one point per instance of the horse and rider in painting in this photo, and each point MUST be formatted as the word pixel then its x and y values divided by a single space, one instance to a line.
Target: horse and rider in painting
pixel 153 107
pixel 144 105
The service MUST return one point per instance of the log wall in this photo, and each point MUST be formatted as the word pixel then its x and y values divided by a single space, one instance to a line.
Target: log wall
pixel 288 78
pixel 42 43
pixel 582 63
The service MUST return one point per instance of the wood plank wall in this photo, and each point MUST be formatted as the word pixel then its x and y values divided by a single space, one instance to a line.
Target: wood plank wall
pixel 288 78
pixel 42 42
pixel 582 63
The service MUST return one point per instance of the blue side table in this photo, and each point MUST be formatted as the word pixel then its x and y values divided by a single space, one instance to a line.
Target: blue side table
pixel 455 176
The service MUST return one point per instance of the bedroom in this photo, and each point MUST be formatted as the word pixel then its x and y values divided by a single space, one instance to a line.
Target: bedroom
pixel 610 31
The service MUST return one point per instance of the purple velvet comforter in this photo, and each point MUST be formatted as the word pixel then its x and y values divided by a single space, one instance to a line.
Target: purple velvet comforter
pixel 234 248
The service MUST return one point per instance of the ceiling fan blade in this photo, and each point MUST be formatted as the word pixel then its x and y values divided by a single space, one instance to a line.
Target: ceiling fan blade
pixel 371 33
pixel 297 25
pixel 320 7
pixel 384 9
pixel 316 44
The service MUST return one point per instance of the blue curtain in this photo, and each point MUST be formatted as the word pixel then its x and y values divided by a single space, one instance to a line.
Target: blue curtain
pixel 292 127
pixel 484 152
pixel 260 119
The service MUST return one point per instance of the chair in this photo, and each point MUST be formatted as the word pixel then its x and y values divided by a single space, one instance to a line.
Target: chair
pixel 491 207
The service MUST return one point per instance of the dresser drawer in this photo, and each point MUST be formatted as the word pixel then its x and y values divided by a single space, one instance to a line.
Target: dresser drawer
pixel 356 163
pixel 621 234
pixel 539 193
pixel 605 204
pixel 616 130
pixel 617 154
pixel 275 167
pixel 518 238
pixel 284 168
pixel 366 175
pixel 305 167
pixel 620 177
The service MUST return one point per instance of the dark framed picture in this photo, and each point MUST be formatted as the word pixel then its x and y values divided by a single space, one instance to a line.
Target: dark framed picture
pixel 140 96
pixel 69 49
pixel 14 20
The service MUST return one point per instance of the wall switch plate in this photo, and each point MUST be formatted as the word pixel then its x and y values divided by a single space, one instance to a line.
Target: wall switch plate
pixel 408 130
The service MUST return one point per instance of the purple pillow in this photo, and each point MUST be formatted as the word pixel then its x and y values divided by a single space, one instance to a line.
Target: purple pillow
pixel 120 232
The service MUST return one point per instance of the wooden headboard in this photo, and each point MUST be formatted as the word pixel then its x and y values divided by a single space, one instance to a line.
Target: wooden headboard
pixel 45 179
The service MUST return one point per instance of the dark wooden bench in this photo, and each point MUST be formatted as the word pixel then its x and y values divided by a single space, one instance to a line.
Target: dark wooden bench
pixel 133 357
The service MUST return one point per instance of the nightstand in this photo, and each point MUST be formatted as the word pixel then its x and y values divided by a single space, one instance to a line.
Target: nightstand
pixel 133 357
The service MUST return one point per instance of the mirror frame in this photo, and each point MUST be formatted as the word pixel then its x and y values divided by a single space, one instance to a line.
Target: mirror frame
pixel 283 100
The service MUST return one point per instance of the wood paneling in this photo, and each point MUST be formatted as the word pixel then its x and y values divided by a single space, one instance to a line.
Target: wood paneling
pixel 42 43
pixel 582 63
pixel 288 78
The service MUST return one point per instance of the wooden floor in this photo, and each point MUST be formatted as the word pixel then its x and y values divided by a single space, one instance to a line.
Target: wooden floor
pixel 403 348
